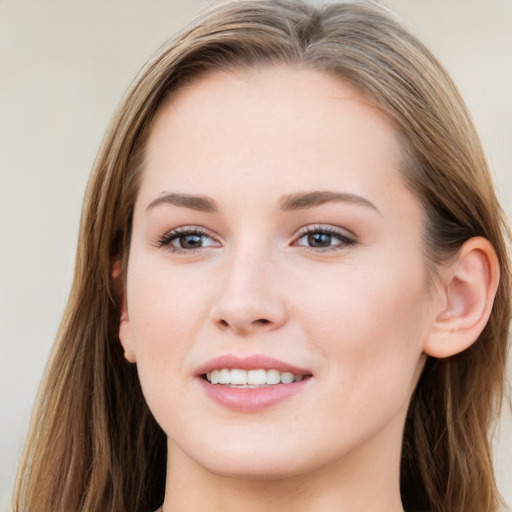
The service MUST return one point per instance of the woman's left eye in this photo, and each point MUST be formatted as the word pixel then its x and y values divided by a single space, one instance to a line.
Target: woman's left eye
pixel 324 238
pixel 187 239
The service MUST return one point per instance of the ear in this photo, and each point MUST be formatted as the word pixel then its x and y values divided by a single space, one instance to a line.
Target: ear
pixel 125 334
pixel 468 287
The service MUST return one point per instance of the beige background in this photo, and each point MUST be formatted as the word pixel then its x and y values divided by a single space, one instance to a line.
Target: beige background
pixel 63 68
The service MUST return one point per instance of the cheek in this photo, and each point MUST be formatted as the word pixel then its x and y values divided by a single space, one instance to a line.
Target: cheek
pixel 166 310
pixel 371 327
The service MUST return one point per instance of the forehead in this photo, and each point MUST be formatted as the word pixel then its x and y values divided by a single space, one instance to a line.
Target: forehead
pixel 278 127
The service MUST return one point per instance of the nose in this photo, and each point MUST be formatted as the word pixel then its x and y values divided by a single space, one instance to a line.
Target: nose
pixel 250 297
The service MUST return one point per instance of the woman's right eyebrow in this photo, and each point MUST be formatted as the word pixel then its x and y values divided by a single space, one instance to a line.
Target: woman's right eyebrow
pixel 200 203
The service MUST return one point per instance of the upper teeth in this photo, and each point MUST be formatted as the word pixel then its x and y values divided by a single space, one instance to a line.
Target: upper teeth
pixel 238 377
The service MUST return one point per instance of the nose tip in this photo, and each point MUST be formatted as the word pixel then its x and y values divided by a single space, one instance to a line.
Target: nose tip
pixel 249 300
pixel 244 318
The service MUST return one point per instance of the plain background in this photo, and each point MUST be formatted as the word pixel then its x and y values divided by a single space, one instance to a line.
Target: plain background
pixel 64 66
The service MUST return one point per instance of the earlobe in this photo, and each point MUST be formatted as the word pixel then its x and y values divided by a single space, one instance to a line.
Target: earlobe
pixel 125 335
pixel 126 339
pixel 468 288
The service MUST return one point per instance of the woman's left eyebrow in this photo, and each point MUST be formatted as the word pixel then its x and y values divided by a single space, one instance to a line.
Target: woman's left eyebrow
pixel 302 200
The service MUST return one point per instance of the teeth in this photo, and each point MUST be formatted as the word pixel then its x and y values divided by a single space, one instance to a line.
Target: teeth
pixel 273 376
pixel 251 378
pixel 224 377
pixel 287 377
pixel 237 377
pixel 257 377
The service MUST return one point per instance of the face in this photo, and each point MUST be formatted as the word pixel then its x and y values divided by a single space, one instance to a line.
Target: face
pixel 275 244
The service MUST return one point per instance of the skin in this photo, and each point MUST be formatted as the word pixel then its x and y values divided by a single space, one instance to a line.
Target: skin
pixel 357 314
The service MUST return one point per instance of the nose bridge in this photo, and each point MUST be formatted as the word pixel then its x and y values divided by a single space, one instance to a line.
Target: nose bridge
pixel 249 296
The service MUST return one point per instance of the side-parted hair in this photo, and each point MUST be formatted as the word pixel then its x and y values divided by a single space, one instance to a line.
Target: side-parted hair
pixel 94 445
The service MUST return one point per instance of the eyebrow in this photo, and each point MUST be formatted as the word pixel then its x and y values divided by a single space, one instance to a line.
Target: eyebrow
pixel 298 201
pixel 303 200
pixel 199 203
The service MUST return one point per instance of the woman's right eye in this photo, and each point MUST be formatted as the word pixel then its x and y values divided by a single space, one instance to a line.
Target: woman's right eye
pixel 187 240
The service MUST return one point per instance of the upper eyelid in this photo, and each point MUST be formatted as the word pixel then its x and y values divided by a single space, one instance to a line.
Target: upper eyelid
pixel 185 230
pixel 304 230
pixel 164 239
pixel 346 238
pixel 311 228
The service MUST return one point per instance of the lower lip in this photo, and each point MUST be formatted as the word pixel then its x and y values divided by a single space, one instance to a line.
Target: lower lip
pixel 250 400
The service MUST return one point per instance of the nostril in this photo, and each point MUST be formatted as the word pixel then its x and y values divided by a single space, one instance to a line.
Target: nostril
pixel 223 323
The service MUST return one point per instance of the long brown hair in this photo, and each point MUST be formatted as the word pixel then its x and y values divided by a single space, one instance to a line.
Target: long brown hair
pixel 93 444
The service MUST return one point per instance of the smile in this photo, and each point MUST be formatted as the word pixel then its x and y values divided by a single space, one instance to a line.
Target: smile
pixel 249 379
pixel 251 383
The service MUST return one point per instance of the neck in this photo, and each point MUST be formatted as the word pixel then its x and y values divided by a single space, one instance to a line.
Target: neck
pixel 364 480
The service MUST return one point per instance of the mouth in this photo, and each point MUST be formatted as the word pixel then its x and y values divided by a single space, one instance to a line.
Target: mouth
pixel 253 383
pixel 252 379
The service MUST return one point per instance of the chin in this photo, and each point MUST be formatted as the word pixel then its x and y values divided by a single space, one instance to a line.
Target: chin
pixel 261 469
pixel 261 459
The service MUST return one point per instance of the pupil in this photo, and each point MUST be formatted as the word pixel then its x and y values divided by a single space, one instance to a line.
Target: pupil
pixel 319 239
pixel 190 241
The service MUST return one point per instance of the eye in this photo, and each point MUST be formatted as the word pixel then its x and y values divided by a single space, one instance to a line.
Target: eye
pixel 186 239
pixel 324 238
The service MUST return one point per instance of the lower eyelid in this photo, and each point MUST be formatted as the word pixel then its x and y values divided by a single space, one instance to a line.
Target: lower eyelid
pixel 166 240
pixel 340 244
pixel 341 238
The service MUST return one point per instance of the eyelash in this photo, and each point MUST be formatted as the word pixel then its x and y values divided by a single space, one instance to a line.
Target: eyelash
pixel 344 240
pixel 175 234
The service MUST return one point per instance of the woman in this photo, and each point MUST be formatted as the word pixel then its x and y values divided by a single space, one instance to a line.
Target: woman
pixel 292 287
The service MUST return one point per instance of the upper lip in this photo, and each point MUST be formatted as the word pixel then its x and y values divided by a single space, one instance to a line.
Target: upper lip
pixel 253 362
